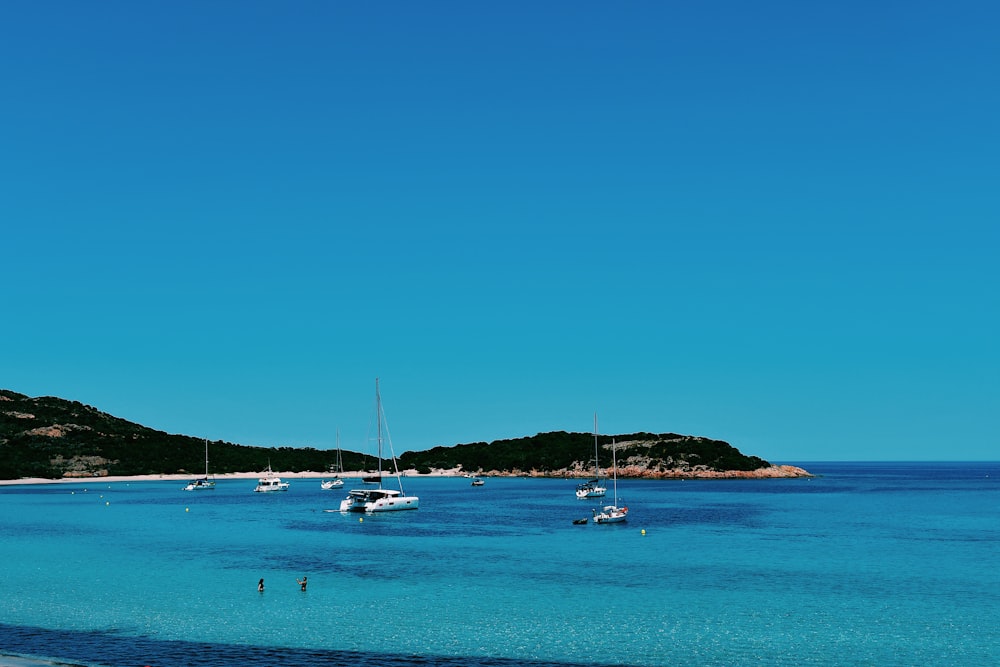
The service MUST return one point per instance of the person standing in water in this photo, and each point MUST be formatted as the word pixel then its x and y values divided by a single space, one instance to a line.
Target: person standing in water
pixel 260 586
pixel 302 582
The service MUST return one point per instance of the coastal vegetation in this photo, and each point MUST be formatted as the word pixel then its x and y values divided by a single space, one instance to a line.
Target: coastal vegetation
pixel 572 454
pixel 51 437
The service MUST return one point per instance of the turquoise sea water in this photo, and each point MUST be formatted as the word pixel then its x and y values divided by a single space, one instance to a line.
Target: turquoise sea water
pixel 867 564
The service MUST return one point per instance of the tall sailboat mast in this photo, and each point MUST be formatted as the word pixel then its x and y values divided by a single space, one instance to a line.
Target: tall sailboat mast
pixel 614 465
pixel 597 467
pixel 340 457
pixel 378 418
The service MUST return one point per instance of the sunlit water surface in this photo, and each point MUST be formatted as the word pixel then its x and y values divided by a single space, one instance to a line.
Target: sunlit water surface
pixel 867 564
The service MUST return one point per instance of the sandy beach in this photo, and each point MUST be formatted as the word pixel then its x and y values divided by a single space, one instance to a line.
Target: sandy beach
pixel 627 472
pixel 219 477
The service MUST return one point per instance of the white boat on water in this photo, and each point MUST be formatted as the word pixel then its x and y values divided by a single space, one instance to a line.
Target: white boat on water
pixel 612 513
pixel 477 482
pixel 205 483
pixel 379 499
pixel 200 485
pixel 593 488
pixel 270 482
pixel 337 469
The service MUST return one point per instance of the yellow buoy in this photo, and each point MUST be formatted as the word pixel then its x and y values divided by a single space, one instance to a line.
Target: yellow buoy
pixel 187 509
pixel 643 531
pixel 361 519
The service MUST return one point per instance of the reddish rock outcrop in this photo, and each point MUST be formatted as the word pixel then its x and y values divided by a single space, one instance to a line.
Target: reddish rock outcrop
pixel 700 472
pixel 639 472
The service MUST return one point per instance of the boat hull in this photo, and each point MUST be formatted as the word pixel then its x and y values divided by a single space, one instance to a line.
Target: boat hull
pixel 371 502
pixel 382 505
pixel 271 487
pixel 394 505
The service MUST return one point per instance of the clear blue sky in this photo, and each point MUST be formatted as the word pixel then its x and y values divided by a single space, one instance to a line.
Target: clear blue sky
pixel 775 223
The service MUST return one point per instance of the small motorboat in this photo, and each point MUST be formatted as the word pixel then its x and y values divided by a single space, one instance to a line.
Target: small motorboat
pixel 270 482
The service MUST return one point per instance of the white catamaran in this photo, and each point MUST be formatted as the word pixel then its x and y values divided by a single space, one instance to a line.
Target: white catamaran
pixel 205 483
pixel 612 513
pixel 380 499
pixel 593 488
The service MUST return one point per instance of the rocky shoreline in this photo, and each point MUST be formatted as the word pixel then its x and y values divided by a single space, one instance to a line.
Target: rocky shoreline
pixel 639 472
pixel 773 472
pixel 624 472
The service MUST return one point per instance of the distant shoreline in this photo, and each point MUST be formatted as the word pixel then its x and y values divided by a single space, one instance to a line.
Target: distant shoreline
pixel 180 477
pixel 773 472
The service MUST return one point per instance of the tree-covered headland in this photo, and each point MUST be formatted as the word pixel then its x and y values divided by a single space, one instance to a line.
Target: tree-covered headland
pixel 52 438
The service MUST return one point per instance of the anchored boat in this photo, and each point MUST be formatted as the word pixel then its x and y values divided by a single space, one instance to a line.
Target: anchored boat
pixel 270 482
pixel 380 499
pixel 205 483
pixel 612 513
pixel 337 469
pixel 593 488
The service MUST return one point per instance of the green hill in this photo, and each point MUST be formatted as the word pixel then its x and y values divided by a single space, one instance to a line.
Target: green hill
pixel 560 452
pixel 52 438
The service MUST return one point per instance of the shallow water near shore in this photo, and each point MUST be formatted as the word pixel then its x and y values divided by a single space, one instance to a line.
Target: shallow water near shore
pixel 888 564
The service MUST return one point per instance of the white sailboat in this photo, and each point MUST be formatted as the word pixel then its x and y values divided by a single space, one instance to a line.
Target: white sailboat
pixel 593 488
pixel 337 469
pixel 380 499
pixel 270 482
pixel 205 483
pixel 612 513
